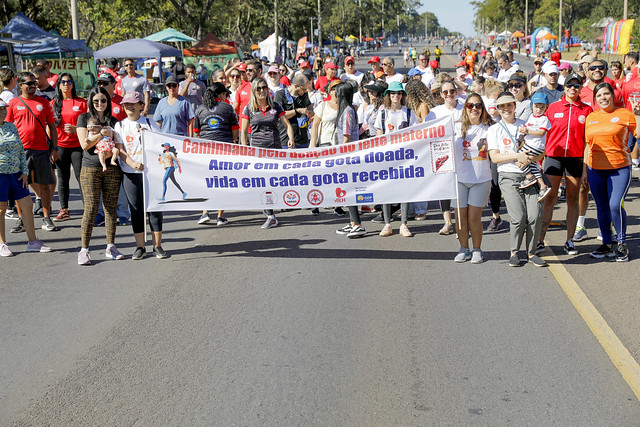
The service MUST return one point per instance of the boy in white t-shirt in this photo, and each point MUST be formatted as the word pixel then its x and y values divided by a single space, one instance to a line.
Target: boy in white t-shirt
pixel 532 138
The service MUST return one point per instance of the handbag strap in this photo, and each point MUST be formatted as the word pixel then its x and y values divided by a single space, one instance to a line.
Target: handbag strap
pixel 49 141
pixel 513 140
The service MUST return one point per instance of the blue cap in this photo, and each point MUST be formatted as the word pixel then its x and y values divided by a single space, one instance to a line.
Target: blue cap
pixel 415 72
pixel 539 98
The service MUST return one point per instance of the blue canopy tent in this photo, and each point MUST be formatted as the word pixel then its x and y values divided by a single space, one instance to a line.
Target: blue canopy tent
pixel 137 48
pixel 44 43
pixel 170 35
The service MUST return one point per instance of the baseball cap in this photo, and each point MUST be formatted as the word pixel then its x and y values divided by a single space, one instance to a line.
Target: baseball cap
pixel 349 59
pixel 305 64
pixel 374 59
pixel 538 59
pixel 433 64
pixel 573 76
pixel 564 66
pixel 171 79
pixel 587 58
pixel 550 67
pixel 218 88
pixel 242 67
pixel 264 58
pixel 131 98
pixel 539 98
pixel 517 78
pixel 106 77
pixel 505 99
pixel 461 64
pixel 330 65
pixel 415 72
pixel 273 69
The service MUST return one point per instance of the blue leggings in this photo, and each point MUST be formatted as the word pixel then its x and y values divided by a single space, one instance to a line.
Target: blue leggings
pixel 169 173
pixel 609 187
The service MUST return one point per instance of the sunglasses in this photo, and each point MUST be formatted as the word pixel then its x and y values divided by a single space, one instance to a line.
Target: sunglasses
pixel 260 88
pixel 29 83
pixel 448 92
pixel 537 63
pixel 385 64
pixel 596 67
pixel 572 85
pixel 395 93
pixel 66 82
pixel 97 101
pixel 129 65
pixel 234 76
pixel 103 83
pixel 170 85
pixel 251 70
pixel 350 63
pixel 471 106
pixel 515 85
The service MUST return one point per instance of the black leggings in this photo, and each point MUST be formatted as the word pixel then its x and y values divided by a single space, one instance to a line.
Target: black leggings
pixel 495 196
pixel 132 184
pixel 66 158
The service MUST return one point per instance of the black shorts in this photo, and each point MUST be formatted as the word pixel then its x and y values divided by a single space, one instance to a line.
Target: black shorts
pixel 40 171
pixel 559 166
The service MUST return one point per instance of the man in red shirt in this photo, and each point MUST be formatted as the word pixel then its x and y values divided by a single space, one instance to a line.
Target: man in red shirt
pixel 52 78
pixel 556 56
pixel 243 93
pixel 330 69
pixel 32 114
pixel 596 73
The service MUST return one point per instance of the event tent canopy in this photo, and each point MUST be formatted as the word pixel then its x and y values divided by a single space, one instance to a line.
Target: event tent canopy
pixel 137 48
pixel 43 43
pixel 169 35
pixel 210 46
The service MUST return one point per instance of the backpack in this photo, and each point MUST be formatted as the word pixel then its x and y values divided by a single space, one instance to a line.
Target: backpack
pixel 402 125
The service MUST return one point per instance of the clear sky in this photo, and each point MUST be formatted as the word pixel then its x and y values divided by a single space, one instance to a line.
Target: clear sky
pixel 455 15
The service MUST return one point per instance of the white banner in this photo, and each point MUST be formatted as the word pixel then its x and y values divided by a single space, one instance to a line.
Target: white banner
pixel 410 165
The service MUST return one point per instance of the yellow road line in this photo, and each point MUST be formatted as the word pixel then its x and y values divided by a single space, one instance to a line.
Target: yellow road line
pixel 618 353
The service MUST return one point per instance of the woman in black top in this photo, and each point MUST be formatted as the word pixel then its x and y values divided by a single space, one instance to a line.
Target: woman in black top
pixel 263 115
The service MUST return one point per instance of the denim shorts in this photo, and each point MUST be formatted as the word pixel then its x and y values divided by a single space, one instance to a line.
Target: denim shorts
pixel 11 187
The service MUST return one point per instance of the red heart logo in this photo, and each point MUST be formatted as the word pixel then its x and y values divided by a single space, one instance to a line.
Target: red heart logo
pixel 340 193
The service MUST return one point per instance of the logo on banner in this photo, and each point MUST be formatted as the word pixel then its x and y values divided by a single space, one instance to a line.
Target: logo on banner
pixel 315 197
pixel 291 198
pixel 268 198
pixel 340 195
pixel 364 198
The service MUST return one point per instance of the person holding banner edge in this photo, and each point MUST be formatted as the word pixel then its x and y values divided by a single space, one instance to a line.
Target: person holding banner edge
pixel 263 115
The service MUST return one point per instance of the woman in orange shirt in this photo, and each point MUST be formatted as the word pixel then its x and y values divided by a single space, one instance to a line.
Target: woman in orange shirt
pixel 607 165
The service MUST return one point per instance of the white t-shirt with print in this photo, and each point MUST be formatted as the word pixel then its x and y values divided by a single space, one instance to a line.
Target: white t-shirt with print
pixel 394 120
pixel 503 141
pixel 129 133
pixel 442 111
pixel 472 154
pixel 537 123
pixel 397 77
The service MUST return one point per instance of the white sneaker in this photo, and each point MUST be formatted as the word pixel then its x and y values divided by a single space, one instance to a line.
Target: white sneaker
pixel 270 222
pixel 4 250
pixel 113 253
pixel 463 255
pixel 83 258
pixel 477 257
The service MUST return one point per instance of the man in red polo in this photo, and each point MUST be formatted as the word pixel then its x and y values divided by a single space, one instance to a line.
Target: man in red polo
pixel 243 93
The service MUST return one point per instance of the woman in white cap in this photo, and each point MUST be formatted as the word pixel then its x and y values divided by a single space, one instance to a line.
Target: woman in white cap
pixel 522 204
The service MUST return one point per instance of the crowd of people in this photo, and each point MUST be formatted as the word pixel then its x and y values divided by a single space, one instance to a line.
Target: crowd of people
pixel 518 138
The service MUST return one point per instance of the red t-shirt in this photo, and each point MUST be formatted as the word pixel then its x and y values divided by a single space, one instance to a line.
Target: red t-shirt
pixel 555 57
pixel 243 96
pixel 71 110
pixel 586 96
pixel 32 134
pixel 285 81
pixel 630 89
pixel 52 79
pixel 322 82
pixel 117 111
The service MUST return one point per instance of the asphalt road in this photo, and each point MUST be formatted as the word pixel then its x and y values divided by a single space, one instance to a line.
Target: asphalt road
pixel 300 326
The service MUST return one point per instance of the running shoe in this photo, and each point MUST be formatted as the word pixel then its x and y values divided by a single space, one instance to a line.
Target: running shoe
pixel 159 253
pixel 345 230
pixel 99 220
pixel 494 224
pixel 527 183
pixel 404 231
pixel 37 208
pixel 570 248
pixel 379 218
pixel 622 252
pixel 477 257
pixel 19 227
pixel 38 246
pixel 123 221
pixel 271 222
pixel 356 231
pixel 463 255
pixel 539 248
pixel 421 217
pixel 48 225
pixel 543 193
pixel 339 211
pixel 139 253
pixel 580 234
pixel 514 261
pixel 446 229
pixel 602 252
pixel 387 230
pixel 4 250
pixel 315 211
pixel 222 221
pixel 113 253
pixel 63 215
pixel 537 261
pixel 84 258
pixel 11 214
pixel 204 219
pixel 614 237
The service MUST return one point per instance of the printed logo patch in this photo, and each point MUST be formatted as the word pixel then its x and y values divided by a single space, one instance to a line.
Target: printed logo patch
pixel 582 119
pixel 364 198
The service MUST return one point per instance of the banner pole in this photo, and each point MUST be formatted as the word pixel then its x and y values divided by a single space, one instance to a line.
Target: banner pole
pixel 457 204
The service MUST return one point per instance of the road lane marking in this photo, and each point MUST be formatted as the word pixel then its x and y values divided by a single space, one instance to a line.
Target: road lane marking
pixel 618 353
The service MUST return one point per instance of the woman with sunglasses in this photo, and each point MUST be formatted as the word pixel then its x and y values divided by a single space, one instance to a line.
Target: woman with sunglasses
pixel 607 167
pixel 474 176
pixel 392 117
pixel 517 85
pixel 522 204
pixel 67 107
pixel 263 115
pixel 94 182
pixel 451 107
pixel 174 114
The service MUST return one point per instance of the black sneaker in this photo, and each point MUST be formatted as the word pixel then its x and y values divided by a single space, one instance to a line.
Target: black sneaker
pixel 139 253
pixel 494 224
pixel 570 248
pixel 159 252
pixel 380 219
pixel 514 261
pixel 37 208
pixel 345 230
pixel 537 261
pixel 11 213
pixel 602 252
pixel 315 211
pixel 539 248
pixel 339 211
pixel 622 252
pixel 19 227
pixel 48 225
pixel 356 231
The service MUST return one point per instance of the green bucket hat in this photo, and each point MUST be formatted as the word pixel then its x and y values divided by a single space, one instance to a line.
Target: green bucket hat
pixel 395 87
